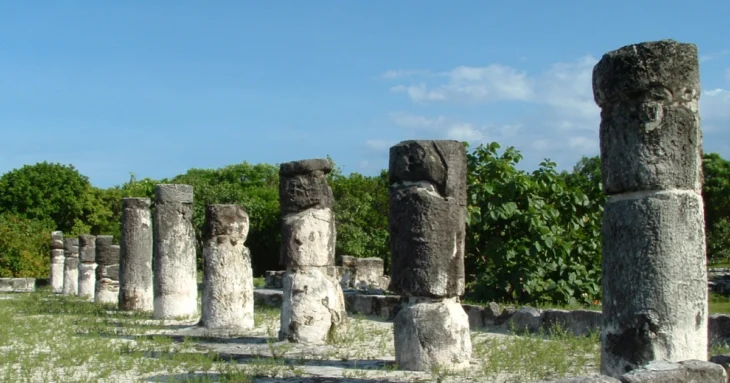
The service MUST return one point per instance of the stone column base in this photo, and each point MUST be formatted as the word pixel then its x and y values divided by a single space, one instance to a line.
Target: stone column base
pixel 313 308
pixel 430 333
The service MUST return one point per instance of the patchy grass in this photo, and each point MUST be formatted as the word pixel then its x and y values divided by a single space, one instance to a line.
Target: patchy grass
pixel 53 338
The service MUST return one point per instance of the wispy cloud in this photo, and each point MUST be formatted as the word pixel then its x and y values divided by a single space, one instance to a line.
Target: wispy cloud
pixel 394 74
pixel 714 56
pixel 379 145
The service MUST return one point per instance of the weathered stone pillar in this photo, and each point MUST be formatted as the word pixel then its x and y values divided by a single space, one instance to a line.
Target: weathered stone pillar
pixel 71 266
pixel 58 259
pixel 654 271
pixel 313 307
pixel 175 281
pixel 135 256
pixel 87 266
pixel 227 300
pixel 107 270
pixel 427 219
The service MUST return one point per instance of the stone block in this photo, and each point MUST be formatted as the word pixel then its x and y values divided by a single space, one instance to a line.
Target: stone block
pixel 491 314
pixel 689 371
pixel 87 248
pixel 650 134
pixel 476 316
pixel 719 328
pixel 438 162
pixel 57 240
pixel 654 280
pixel 526 319
pixel 576 322
pixel 313 307
pixel 432 334
pixel 303 185
pixel 274 279
pixel 265 297
pixel 428 252
pixel 308 238
pixel 387 306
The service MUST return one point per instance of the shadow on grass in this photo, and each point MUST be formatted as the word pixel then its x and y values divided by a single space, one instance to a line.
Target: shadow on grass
pixel 212 377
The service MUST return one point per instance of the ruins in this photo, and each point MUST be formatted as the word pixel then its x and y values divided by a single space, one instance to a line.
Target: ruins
pixel 313 307
pixel 654 265
pixel 135 256
pixel 87 266
pixel 428 192
pixel 175 275
pixel 71 266
pixel 107 270
pixel 227 300
pixel 58 258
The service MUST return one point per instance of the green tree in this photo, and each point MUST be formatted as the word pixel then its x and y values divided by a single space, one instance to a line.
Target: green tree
pixel 716 195
pixel 530 237
pixel 24 246
pixel 47 191
pixel 361 214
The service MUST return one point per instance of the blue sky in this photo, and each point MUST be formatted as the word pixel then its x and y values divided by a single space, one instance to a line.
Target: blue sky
pixel 156 88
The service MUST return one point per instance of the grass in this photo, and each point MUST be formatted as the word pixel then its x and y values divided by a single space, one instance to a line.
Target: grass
pixel 52 338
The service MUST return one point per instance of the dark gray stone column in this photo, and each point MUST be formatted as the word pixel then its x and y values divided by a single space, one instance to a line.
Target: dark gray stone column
pixel 175 273
pixel 71 266
pixel 313 307
pixel 107 270
pixel 135 256
pixel 58 259
pixel 227 301
pixel 87 266
pixel 427 220
pixel 654 266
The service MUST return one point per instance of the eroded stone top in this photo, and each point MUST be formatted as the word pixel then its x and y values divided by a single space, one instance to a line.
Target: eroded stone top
pixel 226 219
pixel 179 193
pixel 71 246
pixel 57 240
pixel 658 70
pixel 441 162
pixel 106 252
pixel 304 167
pixel 136 203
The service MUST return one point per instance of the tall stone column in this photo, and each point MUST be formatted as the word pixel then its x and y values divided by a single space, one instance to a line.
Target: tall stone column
pixel 71 266
pixel 107 270
pixel 58 259
pixel 654 266
pixel 313 306
pixel 175 281
pixel 136 292
pixel 87 266
pixel 427 219
pixel 227 300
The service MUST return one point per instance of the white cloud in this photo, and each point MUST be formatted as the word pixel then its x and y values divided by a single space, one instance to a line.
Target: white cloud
pixel 378 145
pixel 714 56
pixel 583 144
pixel 419 93
pixel 465 132
pixel 413 121
pixel 493 82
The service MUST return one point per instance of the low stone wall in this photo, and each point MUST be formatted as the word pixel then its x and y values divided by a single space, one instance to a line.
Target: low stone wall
pixel 17 285
pixel 577 322
pixel 691 371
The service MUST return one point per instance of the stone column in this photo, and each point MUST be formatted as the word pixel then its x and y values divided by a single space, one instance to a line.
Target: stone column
pixel 87 266
pixel 107 270
pixel 228 278
pixel 654 271
pixel 58 259
pixel 313 306
pixel 135 256
pixel 175 278
pixel 427 219
pixel 71 266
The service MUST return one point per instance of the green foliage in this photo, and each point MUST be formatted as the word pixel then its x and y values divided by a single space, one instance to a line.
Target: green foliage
pixel 48 191
pixel 716 195
pixel 24 246
pixel 531 237
pixel 256 187
pixel 361 213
